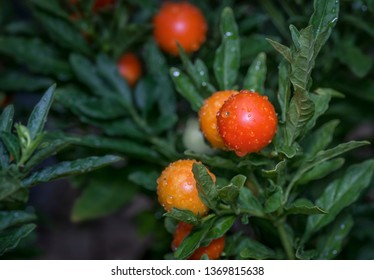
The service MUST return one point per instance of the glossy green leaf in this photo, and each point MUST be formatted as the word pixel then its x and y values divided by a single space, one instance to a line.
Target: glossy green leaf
pixel 202 71
pixel 295 35
pixel 69 168
pixel 39 114
pixel 47 149
pixel 9 239
pixel 11 143
pixel 103 195
pixel 320 139
pixel 193 240
pixel 221 225
pixel 339 194
pixel 256 75
pixel 330 245
pixel 37 55
pixel 15 218
pixel 320 171
pixel 182 215
pixel 227 58
pixel 63 33
pixel 208 192
pixel 323 21
pixel 186 88
pixel 304 207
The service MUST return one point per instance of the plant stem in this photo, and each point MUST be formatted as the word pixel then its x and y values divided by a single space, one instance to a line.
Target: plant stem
pixel 285 241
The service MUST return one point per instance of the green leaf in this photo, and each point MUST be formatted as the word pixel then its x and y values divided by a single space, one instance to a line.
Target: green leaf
pixel 303 61
pixel 249 204
pixel 227 58
pixel 130 148
pixel 97 108
pixel 230 193
pixel 109 72
pixel 63 33
pixel 321 104
pixel 282 49
pixel 330 245
pixel 320 171
pixel 9 239
pixel 352 56
pixel 323 21
pixel 295 34
pixel 47 149
pixel 256 75
pixel 251 46
pixel 278 174
pixel 182 215
pixel 18 81
pixel 87 73
pixel 186 88
pixel 208 192
pixel 104 195
pixel 320 139
pixel 193 240
pixel 274 201
pixel 158 67
pixel 144 96
pixel 6 123
pixel 15 218
pixel 255 250
pixel 37 55
pixel 304 207
pixel 40 112
pixel 69 168
pixel 202 70
pixel 11 143
pixel 339 194
pixel 9 186
pixel 284 89
pixel 276 16
pixel 300 111
pixel 221 225
pixel 214 161
pixel 145 179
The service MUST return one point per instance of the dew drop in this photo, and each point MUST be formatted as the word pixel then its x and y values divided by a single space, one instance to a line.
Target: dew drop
pixel 176 73
pixel 228 34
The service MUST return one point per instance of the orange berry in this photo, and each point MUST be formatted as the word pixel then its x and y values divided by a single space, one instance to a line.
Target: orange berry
pixel 208 117
pixel 176 187
pixel 213 250
pixel 130 68
pixel 179 22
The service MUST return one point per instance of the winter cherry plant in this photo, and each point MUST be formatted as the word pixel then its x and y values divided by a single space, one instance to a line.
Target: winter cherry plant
pixel 269 152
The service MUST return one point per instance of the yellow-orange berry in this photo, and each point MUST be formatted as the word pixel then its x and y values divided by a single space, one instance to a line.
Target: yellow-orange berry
pixel 208 117
pixel 176 187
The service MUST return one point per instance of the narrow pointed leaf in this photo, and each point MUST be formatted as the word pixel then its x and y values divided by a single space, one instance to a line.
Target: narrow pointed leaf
pixel 69 168
pixel 39 115
pixel 256 75
pixel 227 59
